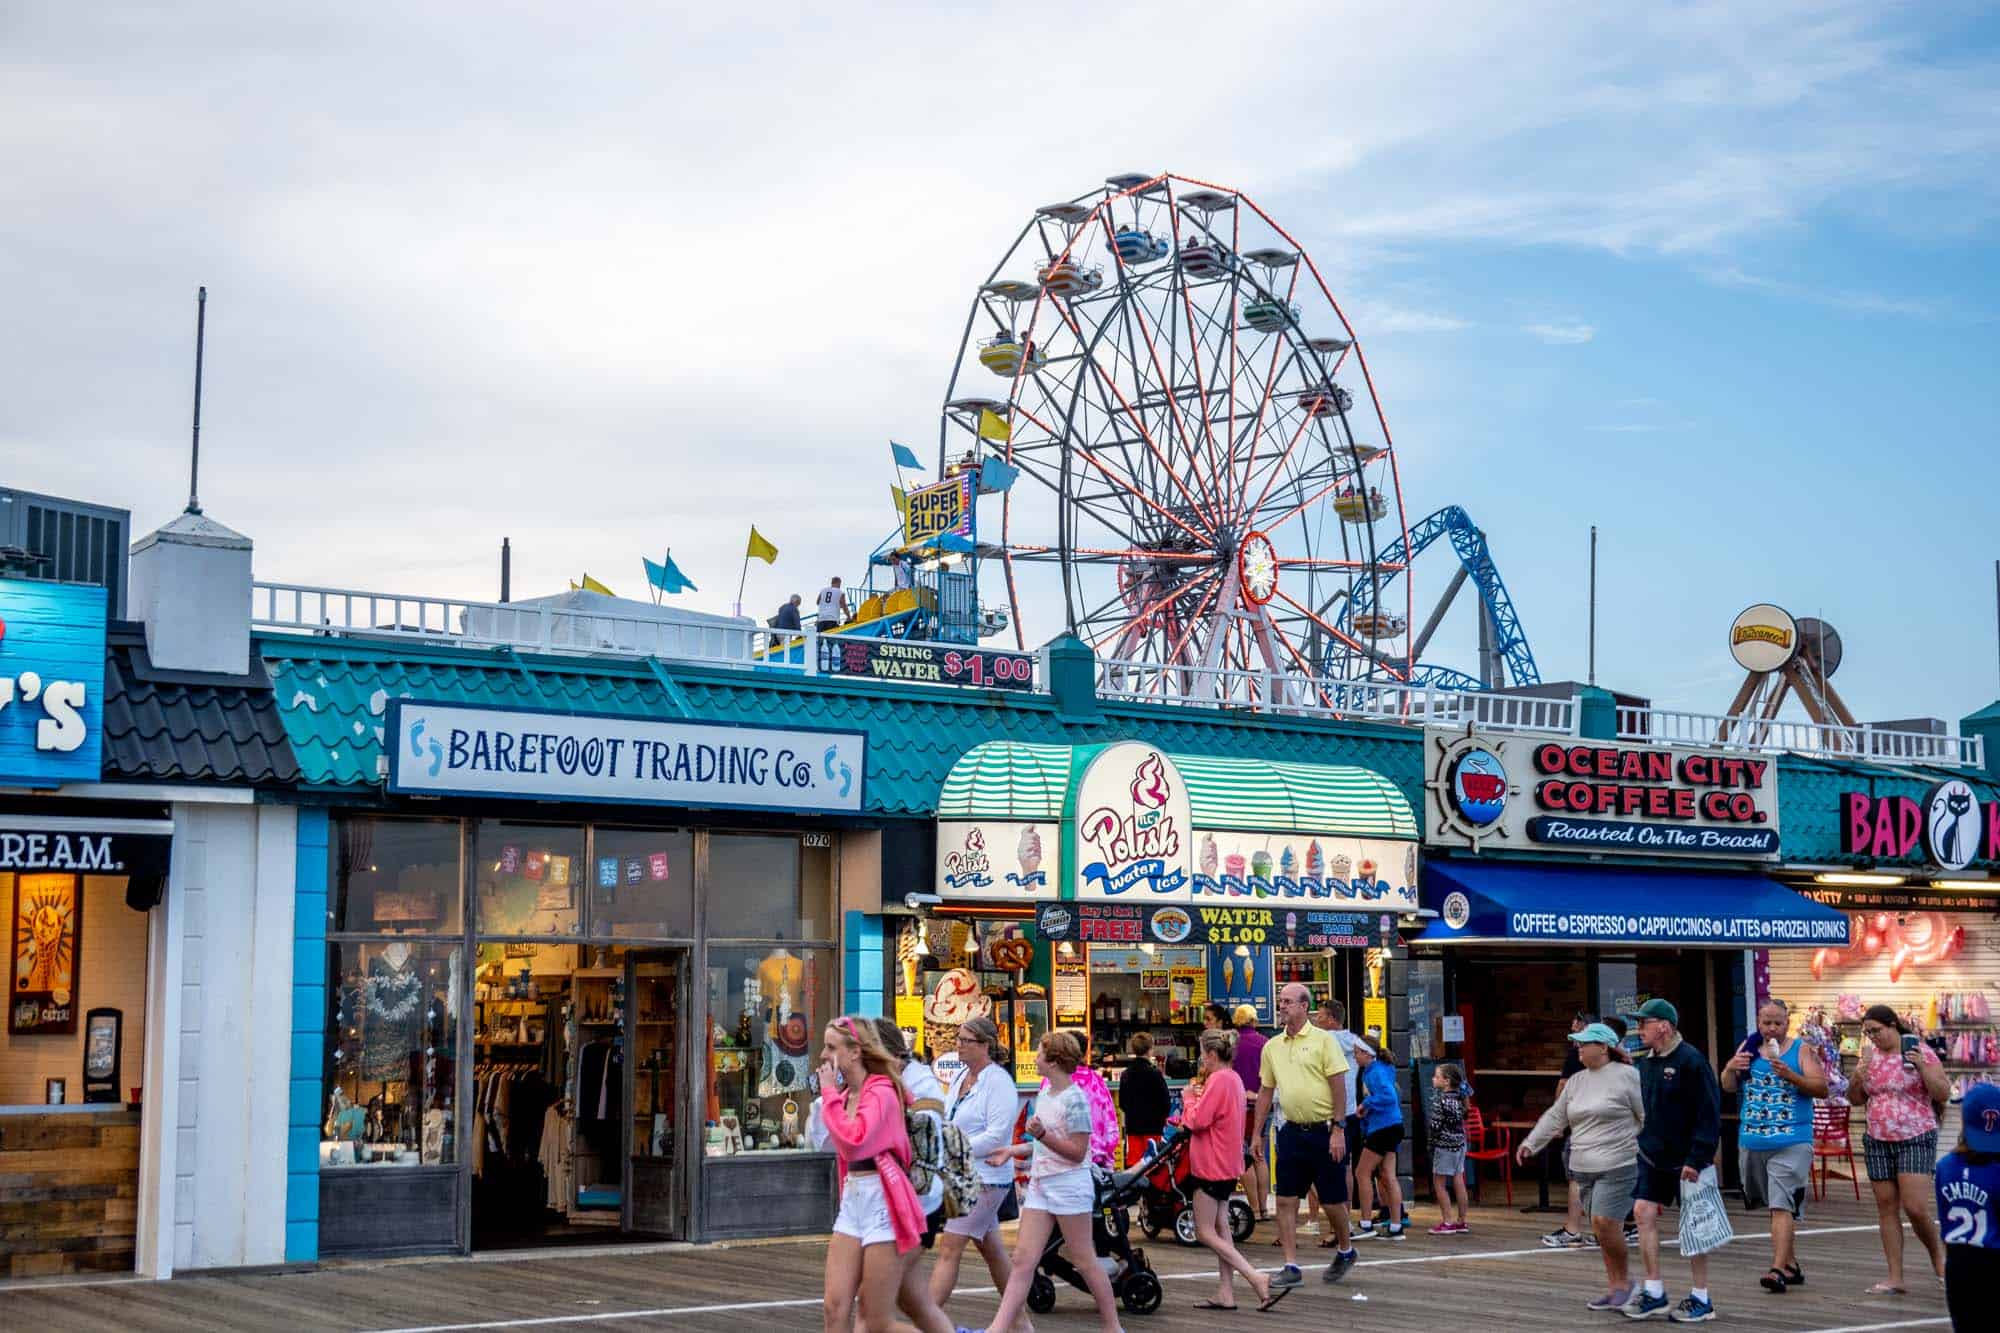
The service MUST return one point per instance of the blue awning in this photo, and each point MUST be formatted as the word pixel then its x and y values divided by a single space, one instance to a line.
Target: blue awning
pixel 1512 902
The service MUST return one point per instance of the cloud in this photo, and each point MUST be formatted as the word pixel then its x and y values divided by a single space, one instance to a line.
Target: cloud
pixel 1377 318
pixel 1865 303
pixel 1568 333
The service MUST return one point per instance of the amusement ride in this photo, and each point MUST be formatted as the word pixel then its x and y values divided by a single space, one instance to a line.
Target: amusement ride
pixel 1161 420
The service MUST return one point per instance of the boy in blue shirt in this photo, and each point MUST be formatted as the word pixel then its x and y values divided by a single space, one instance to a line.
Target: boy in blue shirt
pixel 1968 1202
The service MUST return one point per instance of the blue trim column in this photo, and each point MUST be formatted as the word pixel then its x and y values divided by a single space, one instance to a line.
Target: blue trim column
pixel 861 964
pixel 308 1041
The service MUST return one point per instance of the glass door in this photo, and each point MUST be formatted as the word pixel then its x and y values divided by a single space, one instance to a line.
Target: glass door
pixel 655 1200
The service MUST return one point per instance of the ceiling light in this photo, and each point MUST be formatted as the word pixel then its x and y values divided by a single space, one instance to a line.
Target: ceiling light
pixel 1989 885
pixel 1845 877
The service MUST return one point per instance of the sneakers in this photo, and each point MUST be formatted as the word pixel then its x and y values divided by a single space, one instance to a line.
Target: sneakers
pixel 1613 1300
pixel 1691 1310
pixel 1365 1230
pixel 1337 1267
pixel 1448 1229
pixel 1394 1232
pixel 1288 1276
pixel 1562 1238
pixel 1643 1306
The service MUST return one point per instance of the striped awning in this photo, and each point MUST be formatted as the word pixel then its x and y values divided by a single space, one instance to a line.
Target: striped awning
pixel 1007 780
pixel 1013 780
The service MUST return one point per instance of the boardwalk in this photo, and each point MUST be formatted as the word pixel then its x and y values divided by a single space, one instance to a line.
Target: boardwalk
pixel 1496 1278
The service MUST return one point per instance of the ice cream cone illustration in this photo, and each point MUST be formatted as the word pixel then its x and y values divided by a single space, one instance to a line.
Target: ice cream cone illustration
pixel 1228 973
pixel 1291 930
pixel 1029 851
pixel 1206 866
pixel 1250 975
pixel 1288 874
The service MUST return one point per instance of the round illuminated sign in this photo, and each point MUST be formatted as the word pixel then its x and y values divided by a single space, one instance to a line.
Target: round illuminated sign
pixel 1257 564
pixel 1457 910
pixel 1763 638
pixel 1952 824
pixel 1479 786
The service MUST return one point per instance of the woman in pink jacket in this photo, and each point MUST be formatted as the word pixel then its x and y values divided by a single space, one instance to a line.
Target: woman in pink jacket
pixel 1212 1113
pixel 881 1221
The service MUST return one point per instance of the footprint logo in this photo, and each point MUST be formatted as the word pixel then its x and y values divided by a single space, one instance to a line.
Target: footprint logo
pixel 419 746
pixel 837 771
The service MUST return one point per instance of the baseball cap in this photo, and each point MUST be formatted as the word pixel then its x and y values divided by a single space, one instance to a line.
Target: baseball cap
pixel 1595 1032
pixel 1244 1015
pixel 1661 1009
pixel 1979 1113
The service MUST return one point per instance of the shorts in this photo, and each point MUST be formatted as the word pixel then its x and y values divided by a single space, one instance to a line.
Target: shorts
pixel 1657 1184
pixel 1064 1193
pixel 1447 1162
pixel 1609 1193
pixel 1889 1158
pixel 1384 1140
pixel 1219 1190
pixel 822 626
pixel 864 1210
pixel 1777 1178
pixel 1304 1164
pixel 985 1215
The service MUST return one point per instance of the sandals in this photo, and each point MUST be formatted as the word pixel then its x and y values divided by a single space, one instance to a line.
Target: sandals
pixel 1213 1305
pixel 1277 1294
pixel 1773 1281
pixel 1794 1276
pixel 1887 1289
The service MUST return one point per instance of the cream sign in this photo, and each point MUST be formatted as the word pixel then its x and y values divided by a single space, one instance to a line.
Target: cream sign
pixel 1134 836
pixel 1001 860
pixel 439 749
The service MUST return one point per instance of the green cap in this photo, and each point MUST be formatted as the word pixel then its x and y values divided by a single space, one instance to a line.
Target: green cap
pixel 1596 1032
pixel 1662 1009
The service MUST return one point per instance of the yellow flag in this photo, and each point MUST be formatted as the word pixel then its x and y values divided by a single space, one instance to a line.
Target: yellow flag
pixel 592 585
pixel 902 500
pixel 759 548
pixel 993 426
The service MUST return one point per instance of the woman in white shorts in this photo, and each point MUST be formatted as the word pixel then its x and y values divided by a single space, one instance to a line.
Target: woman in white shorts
pixel 982 1102
pixel 1061 1192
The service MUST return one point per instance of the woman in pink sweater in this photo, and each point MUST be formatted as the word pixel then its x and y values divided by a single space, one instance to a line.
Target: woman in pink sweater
pixel 1212 1113
pixel 881 1221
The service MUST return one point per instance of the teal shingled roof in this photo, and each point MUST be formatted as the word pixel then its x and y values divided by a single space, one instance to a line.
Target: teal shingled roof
pixel 332 693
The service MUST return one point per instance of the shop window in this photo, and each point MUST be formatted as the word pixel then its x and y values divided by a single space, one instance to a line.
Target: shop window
pixel 394 876
pixel 642 884
pixel 770 887
pixel 74 948
pixel 390 1071
pixel 769 1007
pixel 528 878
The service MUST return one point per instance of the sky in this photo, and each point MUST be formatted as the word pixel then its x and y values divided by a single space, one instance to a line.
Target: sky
pixel 610 279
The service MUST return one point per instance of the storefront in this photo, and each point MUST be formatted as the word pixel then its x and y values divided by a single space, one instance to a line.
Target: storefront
pixel 576 969
pixel 1588 876
pixel 1134 887
pixel 1911 863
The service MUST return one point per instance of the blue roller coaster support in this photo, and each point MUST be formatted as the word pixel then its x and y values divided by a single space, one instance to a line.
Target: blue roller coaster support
pixel 1510 642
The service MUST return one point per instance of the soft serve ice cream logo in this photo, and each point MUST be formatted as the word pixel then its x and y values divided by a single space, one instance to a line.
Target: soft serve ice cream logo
pixel 1133 835
pixel 1028 852
pixel 968 867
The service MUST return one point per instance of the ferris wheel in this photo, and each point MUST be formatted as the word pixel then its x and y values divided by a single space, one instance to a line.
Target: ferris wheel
pixel 1199 472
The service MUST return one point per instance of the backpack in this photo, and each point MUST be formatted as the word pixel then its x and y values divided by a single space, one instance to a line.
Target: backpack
pixel 938 1151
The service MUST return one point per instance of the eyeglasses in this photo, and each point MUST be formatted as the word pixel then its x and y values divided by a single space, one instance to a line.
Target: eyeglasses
pixel 1872 1029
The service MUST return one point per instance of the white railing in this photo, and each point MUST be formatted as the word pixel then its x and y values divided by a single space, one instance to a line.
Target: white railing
pixel 301 609
pixel 1296 695
pixel 1666 726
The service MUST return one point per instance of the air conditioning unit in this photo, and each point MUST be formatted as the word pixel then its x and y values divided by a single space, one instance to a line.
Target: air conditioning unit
pixel 66 541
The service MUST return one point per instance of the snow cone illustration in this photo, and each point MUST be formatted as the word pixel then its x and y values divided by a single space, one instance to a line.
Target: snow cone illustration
pixel 1364 877
pixel 1232 874
pixel 1316 870
pixel 1260 872
pixel 1029 852
pixel 1288 874
pixel 1205 865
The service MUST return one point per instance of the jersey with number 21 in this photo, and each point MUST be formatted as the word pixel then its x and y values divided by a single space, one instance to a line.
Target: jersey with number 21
pixel 1968 1200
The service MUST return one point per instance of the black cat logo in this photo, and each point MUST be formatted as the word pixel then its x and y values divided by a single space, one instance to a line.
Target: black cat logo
pixel 1952 823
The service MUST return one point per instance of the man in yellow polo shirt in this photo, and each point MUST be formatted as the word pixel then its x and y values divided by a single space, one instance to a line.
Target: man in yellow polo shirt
pixel 1304 1068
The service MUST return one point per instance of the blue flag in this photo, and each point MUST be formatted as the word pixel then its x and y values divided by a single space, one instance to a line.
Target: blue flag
pixel 668 577
pixel 904 458
pixel 996 474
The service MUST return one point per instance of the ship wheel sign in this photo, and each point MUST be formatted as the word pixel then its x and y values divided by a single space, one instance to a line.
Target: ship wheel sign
pixel 1469 786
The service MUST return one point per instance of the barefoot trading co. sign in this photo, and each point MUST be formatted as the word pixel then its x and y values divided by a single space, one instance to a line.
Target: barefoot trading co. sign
pixel 1598 796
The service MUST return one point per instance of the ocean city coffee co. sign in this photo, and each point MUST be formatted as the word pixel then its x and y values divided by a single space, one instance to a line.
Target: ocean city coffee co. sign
pixel 1949 828
pixel 1593 796
pixel 439 749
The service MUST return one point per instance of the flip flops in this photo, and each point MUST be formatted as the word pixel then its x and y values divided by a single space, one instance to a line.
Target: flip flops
pixel 1214 1305
pixel 1887 1289
pixel 1277 1294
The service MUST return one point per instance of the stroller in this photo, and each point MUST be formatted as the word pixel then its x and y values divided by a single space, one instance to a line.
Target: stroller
pixel 1168 1204
pixel 1133 1280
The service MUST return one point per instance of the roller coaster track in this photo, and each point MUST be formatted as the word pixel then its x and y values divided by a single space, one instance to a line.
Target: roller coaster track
pixel 1509 642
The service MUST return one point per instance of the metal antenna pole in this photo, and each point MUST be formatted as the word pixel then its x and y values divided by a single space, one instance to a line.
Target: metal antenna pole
pixel 1593 604
pixel 194 460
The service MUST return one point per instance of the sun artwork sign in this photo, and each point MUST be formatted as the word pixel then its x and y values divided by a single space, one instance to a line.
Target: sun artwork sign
pixel 41 985
pixel 1133 827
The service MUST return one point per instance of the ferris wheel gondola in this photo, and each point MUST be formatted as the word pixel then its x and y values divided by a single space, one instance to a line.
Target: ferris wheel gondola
pixel 1190 493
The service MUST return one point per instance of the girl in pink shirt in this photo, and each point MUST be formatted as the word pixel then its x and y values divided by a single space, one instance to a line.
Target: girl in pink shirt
pixel 881 1221
pixel 1212 1113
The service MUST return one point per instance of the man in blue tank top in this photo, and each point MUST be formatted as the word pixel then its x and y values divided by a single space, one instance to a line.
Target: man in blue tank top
pixel 1968 1200
pixel 1778 1077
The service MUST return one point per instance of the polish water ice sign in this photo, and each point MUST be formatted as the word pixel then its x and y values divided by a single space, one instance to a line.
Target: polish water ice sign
pixel 998 860
pixel 1134 836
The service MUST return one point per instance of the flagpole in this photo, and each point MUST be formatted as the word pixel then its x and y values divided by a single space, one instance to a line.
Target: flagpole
pixel 742 579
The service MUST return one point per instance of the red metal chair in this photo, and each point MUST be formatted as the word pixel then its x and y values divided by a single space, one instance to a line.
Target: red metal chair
pixel 1480 1141
pixel 1832 1140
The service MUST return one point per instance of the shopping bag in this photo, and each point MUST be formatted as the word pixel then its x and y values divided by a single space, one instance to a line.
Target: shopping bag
pixel 1704 1219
